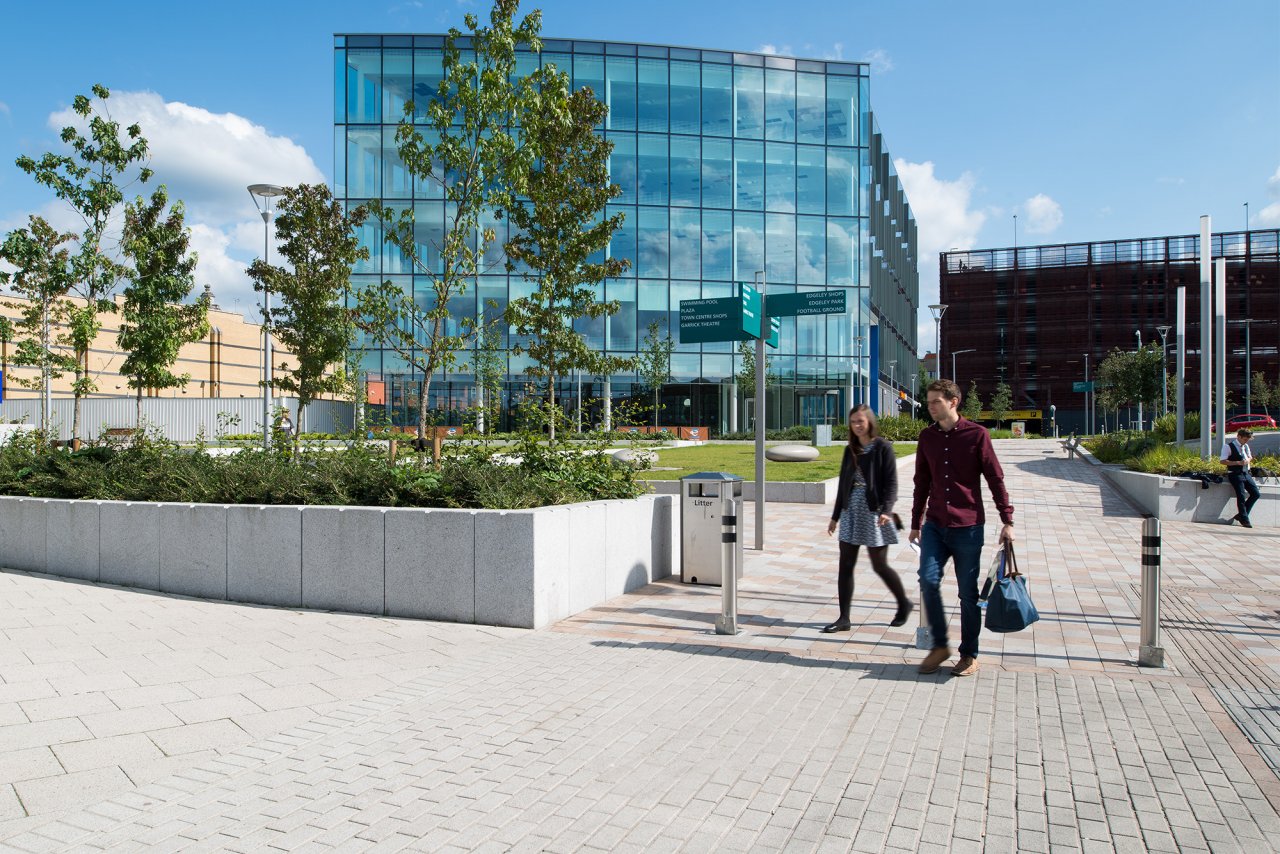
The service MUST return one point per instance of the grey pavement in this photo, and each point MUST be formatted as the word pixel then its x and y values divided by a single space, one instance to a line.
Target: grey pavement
pixel 132 721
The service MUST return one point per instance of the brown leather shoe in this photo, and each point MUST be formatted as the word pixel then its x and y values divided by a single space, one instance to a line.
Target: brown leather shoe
pixel 966 666
pixel 934 659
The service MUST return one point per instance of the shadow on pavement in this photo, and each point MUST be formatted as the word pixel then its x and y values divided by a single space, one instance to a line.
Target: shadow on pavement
pixel 876 670
pixel 1113 502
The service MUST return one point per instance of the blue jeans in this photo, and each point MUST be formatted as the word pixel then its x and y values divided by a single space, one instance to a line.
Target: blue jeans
pixel 1246 491
pixel 964 547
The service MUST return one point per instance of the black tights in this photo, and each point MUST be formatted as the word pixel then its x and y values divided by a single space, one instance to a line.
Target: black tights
pixel 880 563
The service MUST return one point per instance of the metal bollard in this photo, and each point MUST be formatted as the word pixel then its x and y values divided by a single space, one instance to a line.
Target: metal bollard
pixel 727 622
pixel 1150 653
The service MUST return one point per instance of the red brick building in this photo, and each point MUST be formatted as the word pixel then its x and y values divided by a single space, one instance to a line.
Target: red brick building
pixel 1034 314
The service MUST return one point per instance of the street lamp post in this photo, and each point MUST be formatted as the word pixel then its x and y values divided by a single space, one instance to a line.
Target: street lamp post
pixel 937 310
pixel 893 386
pixel 1248 351
pixel 760 411
pixel 1138 332
pixel 955 353
pixel 1164 380
pixel 265 192
pixel 1088 410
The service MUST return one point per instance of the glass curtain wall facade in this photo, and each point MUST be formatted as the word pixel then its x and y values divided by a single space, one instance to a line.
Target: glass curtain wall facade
pixel 730 164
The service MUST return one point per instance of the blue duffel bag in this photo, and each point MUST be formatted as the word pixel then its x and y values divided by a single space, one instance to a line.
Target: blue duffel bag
pixel 1009 605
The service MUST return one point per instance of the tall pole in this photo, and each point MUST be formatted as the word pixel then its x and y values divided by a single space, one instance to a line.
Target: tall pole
pixel 1248 366
pixel 1088 413
pixel 1206 335
pixel 937 310
pixel 1164 376
pixel 266 192
pixel 1220 347
pixel 1179 400
pixel 1138 332
pixel 760 413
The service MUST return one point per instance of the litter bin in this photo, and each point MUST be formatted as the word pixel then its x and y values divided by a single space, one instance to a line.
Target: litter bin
pixel 702 551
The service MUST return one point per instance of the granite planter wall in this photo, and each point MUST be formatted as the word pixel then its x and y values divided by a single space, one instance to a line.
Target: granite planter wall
pixel 1185 500
pixel 522 568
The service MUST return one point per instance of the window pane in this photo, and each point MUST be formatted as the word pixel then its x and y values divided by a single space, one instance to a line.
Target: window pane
pixel 686 165
pixel 686 92
pixel 397 83
pixel 621 92
pixel 717 173
pixel 748 245
pixel 623 243
pixel 748 90
pixel 681 291
pixel 686 244
pixel 620 329
pixel 589 71
pixel 364 162
pixel 364 94
pixel 780 177
pixel 717 245
pixel 811 250
pixel 653 249
pixel 842 110
pixel 840 186
pixel 717 100
pixel 339 161
pixel 652 307
pixel 841 234
pixel 339 86
pixel 811 108
pixel 622 166
pixel 748 173
pixel 653 95
pixel 780 247
pixel 397 183
pixel 780 105
pixel 428 71
pixel 652 167
pixel 811 179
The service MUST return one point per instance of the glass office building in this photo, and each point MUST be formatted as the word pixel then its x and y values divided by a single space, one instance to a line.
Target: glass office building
pixel 733 166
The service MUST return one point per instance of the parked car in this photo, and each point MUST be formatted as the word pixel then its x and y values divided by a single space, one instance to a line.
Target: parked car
pixel 1252 421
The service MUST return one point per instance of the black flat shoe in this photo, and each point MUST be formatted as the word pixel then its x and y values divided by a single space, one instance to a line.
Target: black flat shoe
pixel 837 626
pixel 902 615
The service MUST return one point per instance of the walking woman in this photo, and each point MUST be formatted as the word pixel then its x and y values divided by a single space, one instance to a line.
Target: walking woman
pixel 864 512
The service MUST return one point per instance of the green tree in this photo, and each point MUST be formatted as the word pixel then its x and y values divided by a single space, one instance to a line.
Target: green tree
pixel 1263 393
pixel 653 366
pixel 310 316
pixel 557 231
pixel 1130 377
pixel 42 278
pixel 91 181
pixel 478 165
pixel 489 367
pixel 972 407
pixel 154 321
pixel 746 375
pixel 1001 403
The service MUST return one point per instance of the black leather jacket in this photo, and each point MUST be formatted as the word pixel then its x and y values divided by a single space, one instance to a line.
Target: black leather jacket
pixel 882 478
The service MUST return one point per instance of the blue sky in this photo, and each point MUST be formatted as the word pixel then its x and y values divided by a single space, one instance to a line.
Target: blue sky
pixel 1089 120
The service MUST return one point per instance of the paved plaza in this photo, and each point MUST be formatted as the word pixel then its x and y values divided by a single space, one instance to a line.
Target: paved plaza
pixel 134 721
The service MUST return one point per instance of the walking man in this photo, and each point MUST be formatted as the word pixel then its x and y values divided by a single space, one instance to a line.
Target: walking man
pixel 952 457
pixel 1236 456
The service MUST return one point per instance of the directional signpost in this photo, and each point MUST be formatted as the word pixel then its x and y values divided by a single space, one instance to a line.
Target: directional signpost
pixel 740 318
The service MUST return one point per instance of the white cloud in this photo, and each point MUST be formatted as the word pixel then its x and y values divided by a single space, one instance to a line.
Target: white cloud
pixel 1043 214
pixel 836 53
pixel 767 48
pixel 879 59
pixel 944 220
pixel 1269 217
pixel 5 111
pixel 208 160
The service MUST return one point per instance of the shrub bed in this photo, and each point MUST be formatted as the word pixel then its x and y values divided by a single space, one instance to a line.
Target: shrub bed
pixel 469 476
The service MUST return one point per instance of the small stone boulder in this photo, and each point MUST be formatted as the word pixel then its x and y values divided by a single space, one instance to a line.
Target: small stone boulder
pixel 633 457
pixel 791 453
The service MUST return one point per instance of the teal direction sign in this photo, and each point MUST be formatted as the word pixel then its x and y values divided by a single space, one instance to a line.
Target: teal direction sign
pixel 1079 386
pixel 714 319
pixel 811 302
pixel 737 318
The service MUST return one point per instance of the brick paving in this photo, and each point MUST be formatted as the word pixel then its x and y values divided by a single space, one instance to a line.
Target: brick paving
pixel 633 727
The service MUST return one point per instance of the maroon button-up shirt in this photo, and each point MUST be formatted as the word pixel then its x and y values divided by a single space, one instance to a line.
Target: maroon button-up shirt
pixel 949 465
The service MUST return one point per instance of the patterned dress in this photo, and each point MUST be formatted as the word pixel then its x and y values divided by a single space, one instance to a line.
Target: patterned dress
pixel 858 524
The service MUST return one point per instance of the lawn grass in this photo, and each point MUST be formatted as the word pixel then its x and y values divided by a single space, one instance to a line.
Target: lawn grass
pixel 740 459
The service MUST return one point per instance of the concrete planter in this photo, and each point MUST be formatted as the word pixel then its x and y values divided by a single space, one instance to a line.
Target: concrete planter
pixel 1184 500
pixel 784 492
pixel 522 568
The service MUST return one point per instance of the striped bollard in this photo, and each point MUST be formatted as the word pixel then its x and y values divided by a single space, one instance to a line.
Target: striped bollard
pixel 1150 653
pixel 727 622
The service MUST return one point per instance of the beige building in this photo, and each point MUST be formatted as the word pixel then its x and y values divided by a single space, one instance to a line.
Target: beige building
pixel 226 363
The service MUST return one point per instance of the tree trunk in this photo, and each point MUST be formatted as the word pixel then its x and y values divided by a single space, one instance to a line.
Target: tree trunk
pixel 137 412
pixel 655 408
pixel 551 408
